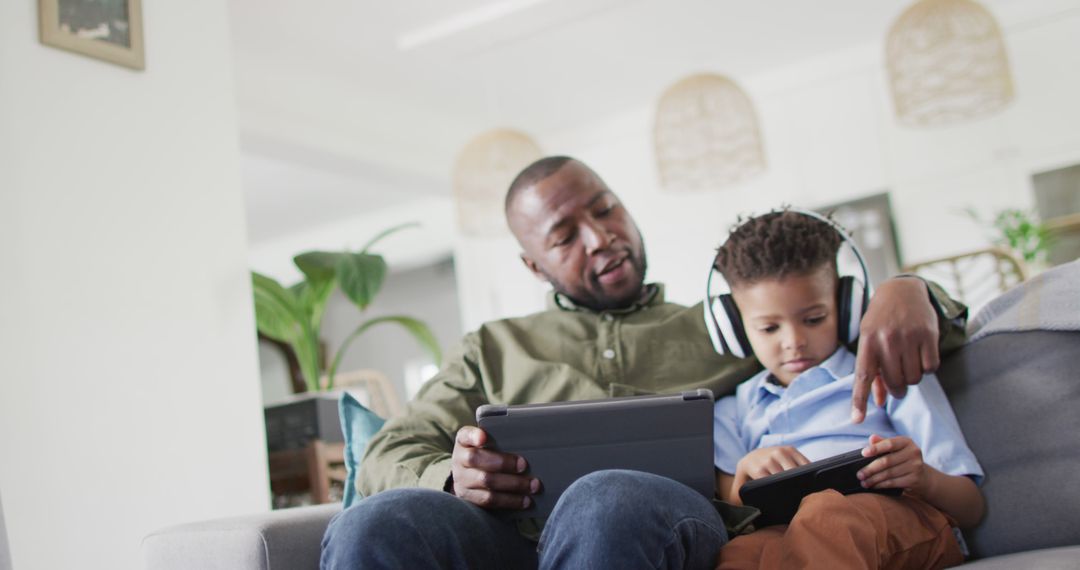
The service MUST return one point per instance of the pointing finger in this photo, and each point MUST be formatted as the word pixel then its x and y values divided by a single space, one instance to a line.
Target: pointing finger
pixel 880 394
pixel 865 369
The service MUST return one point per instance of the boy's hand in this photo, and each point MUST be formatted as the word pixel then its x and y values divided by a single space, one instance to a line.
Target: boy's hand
pixel 766 461
pixel 899 467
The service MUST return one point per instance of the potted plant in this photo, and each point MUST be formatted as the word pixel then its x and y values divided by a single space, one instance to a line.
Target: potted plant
pixel 293 316
pixel 1019 231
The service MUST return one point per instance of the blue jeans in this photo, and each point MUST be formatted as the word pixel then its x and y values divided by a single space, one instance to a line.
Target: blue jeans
pixel 608 519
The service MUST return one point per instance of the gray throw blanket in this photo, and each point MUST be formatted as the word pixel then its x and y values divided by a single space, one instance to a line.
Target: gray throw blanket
pixel 1049 301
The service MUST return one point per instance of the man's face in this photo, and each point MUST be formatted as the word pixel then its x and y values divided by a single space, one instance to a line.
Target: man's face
pixel 790 322
pixel 577 236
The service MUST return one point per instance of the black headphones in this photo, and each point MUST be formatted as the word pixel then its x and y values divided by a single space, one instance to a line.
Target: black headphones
pixel 724 323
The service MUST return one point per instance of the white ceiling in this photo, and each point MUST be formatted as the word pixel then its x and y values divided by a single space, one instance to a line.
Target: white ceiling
pixel 346 106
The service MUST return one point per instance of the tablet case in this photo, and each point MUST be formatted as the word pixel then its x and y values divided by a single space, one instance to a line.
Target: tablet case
pixel 778 496
pixel 669 435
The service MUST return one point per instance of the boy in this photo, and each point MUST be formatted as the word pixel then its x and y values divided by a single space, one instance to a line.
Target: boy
pixel 781 268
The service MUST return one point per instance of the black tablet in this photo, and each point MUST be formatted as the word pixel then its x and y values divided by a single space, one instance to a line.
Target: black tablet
pixel 778 496
pixel 669 435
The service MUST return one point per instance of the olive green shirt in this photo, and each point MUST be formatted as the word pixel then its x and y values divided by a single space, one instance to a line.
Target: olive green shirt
pixel 564 353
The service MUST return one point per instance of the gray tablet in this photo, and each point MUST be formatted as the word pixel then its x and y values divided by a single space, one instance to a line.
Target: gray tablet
pixel 667 435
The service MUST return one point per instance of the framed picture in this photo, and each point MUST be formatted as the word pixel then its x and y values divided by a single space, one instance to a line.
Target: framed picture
pixel 105 29
pixel 869 220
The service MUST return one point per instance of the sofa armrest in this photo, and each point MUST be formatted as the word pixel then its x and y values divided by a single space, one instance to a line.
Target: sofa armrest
pixel 286 539
pixel 5 556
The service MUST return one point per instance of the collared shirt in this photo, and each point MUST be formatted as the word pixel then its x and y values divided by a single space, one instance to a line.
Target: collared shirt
pixel 813 414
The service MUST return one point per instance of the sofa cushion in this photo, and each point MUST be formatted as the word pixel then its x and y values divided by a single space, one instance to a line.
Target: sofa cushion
pixel 1017 398
pixel 1049 559
pixel 5 557
pixel 358 424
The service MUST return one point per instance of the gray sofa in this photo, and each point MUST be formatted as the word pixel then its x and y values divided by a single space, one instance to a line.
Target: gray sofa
pixel 1016 392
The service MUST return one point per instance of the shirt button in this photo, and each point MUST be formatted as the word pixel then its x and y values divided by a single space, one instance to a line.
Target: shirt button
pixel 609 354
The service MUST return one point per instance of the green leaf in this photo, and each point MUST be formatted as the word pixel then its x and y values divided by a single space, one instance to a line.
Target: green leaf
pixel 360 276
pixel 1019 231
pixel 307 353
pixel 279 315
pixel 387 232
pixel 317 266
pixel 319 269
pixel 313 298
pixel 277 312
pixel 416 328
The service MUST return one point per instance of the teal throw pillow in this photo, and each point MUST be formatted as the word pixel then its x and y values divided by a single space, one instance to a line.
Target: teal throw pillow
pixel 358 424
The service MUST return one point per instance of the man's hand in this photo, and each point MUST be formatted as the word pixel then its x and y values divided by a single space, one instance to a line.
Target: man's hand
pixel 489 479
pixel 900 466
pixel 898 342
pixel 763 462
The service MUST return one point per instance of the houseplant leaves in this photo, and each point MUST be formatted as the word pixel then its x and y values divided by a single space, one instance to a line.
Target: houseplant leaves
pixel 280 315
pixel 294 315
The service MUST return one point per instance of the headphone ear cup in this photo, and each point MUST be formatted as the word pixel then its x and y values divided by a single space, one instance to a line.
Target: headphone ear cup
pixel 712 324
pixel 725 327
pixel 738 333
pixel 851 305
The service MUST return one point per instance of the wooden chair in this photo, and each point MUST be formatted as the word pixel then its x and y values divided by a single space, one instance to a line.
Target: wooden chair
pixel 326 464
pixel 311 469
pixel 974 277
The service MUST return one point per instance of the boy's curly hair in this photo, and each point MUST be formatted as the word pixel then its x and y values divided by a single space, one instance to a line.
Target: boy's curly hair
pixel 776 245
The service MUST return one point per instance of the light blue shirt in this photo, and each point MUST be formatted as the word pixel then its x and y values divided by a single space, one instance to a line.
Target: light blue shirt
pixel 813 414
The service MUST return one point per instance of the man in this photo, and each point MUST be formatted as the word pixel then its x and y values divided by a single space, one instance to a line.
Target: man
pixel 607 334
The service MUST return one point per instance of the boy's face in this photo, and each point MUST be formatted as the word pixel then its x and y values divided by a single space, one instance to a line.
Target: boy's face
pixel 790 322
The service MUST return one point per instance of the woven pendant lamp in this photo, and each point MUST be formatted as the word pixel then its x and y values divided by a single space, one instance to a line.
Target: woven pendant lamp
pixel 706 135
pixel 947 63
pixel 484 170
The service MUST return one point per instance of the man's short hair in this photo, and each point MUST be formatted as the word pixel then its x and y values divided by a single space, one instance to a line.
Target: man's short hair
pixel 776 245
pixel 532 174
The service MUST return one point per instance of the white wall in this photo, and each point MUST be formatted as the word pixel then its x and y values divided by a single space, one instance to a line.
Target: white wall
pixel 129 397
pixel 829 136
pixel 493 282
pixel 429 242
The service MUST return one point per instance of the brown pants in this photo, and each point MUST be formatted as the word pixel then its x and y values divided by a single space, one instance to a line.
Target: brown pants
pixel 835 531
